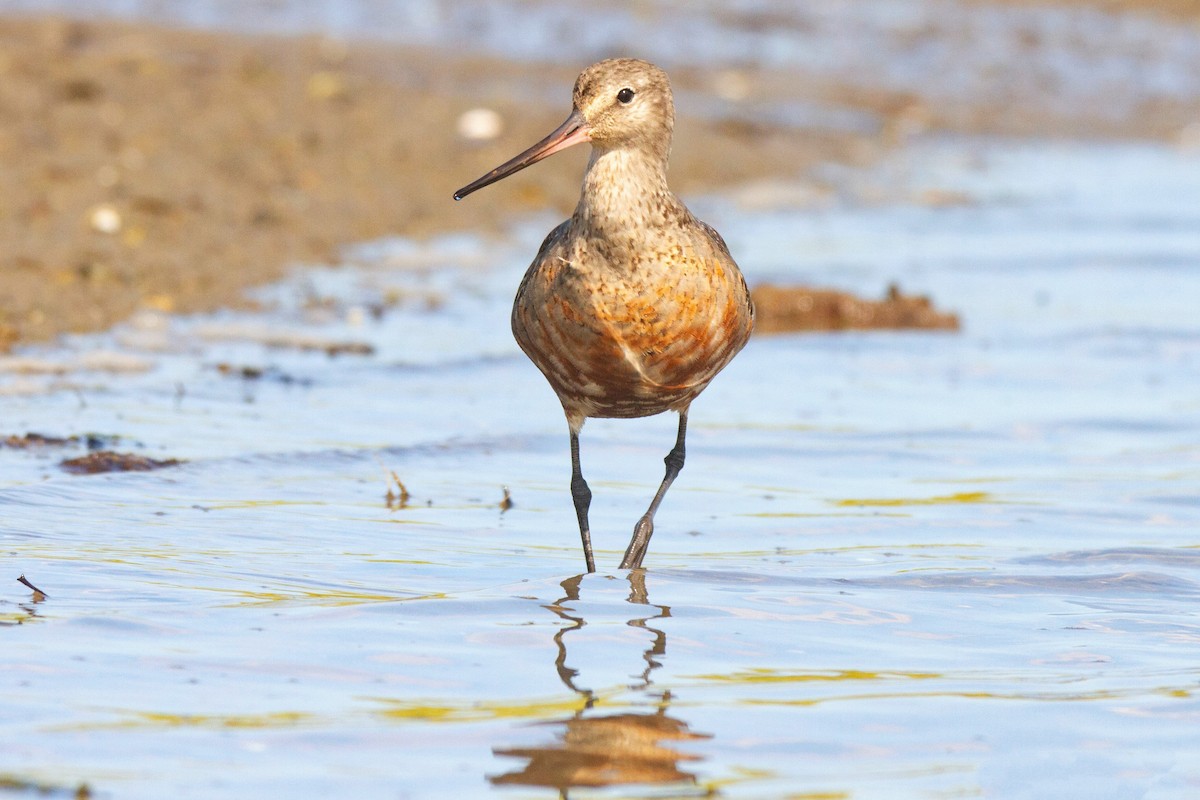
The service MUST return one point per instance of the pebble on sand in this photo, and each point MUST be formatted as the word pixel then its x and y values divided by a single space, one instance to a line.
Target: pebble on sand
pixel 105 218
pixel 480 125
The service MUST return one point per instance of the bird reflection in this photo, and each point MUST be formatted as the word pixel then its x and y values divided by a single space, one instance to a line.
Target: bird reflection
pixel 594 750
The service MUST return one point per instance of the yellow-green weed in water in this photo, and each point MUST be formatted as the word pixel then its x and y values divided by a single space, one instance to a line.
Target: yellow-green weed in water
pixel 940 500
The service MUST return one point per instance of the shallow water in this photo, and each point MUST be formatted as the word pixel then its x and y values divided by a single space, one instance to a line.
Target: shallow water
pixel 896 565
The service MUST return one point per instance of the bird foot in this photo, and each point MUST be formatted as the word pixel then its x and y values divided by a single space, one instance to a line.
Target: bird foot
pixel 639 543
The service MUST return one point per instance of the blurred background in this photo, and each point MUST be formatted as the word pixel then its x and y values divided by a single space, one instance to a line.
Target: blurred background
pixel 166 155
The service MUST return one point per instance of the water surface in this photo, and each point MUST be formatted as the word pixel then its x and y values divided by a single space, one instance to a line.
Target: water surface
pixel 896 565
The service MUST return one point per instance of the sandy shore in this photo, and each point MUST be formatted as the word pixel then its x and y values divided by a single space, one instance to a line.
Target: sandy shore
pixel 142 167
pixel 145 167
pixel 1187 11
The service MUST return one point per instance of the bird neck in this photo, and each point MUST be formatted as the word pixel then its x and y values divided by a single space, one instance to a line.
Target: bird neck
pixel 625 190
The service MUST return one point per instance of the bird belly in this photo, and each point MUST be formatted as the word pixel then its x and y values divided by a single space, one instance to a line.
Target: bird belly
pixel 631 348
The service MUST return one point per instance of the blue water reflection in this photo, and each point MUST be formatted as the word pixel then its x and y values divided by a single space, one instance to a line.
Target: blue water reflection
pixel 899 565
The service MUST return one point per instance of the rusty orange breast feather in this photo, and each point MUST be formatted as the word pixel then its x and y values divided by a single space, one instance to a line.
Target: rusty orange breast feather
pixel 631 342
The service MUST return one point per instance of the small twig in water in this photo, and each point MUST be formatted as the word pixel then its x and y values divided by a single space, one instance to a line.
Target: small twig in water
pixel 398 499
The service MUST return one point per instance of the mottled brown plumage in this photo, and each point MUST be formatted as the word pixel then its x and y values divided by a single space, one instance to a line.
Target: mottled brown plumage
pixel 632 306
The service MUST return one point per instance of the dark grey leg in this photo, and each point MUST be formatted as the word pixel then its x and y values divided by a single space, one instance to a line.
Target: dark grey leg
pixel 645 526
pixel 582 496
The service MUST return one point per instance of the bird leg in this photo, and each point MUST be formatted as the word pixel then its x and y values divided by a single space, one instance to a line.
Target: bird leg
pixel 582 496
pixel 645 526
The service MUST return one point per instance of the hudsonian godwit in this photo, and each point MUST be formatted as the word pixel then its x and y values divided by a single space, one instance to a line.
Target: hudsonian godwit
pixel 632 306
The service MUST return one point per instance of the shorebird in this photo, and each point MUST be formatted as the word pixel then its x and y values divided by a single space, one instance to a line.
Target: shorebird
pixel 632 306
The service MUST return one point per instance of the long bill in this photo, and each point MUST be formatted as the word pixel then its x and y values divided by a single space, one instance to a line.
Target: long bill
pixel 574 131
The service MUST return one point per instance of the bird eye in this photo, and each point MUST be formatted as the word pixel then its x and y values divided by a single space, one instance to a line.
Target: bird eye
pixel 625 95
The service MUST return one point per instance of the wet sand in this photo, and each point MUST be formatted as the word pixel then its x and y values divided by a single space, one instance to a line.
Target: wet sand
pixel 1182 10
pixel 164 169
pixel 143 167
